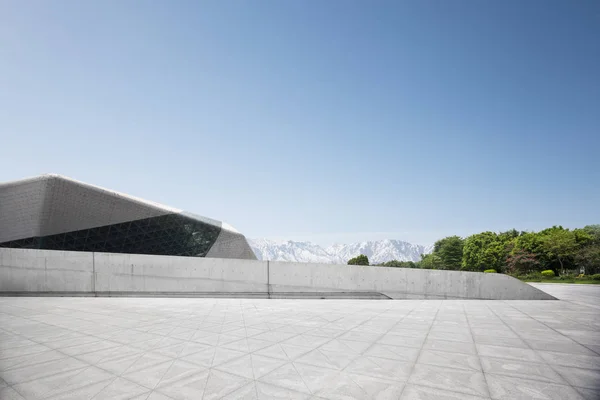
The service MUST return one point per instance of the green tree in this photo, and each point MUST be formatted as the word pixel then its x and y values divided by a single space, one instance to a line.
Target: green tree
pixel 521 262
pixel 359 260
pixel 399 264
pixel 484 251
pixel 430 261
pixel 450 252
pixel 530 243
pixel 593 231
pixel 560 244
pixel 589 257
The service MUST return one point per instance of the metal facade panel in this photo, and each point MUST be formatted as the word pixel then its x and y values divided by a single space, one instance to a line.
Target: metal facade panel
pixel 231 244
pixel 72 206
pixel 49 207
pixel 21 209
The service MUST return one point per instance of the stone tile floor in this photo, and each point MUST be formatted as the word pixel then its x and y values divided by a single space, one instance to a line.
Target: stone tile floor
pixel 168 348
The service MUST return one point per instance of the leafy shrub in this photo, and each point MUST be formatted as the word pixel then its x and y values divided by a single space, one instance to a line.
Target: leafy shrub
pixel 490 271
pixel 596 277
pixel 359 260
pixel 567 277
pixel 548 273
pixel 532 276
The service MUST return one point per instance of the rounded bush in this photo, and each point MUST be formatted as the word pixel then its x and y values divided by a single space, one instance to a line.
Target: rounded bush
pixel 548 273
pixel 490 271
pixel 596 277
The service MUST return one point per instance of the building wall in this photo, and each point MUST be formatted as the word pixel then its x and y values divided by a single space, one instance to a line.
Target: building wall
pixel 21 209
pixel 35 271
pixel 231 244
pixel 55 212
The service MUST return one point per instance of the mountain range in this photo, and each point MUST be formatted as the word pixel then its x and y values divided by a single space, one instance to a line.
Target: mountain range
pixel 377 251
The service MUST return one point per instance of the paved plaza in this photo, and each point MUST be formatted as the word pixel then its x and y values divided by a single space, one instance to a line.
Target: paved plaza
pixel 181 348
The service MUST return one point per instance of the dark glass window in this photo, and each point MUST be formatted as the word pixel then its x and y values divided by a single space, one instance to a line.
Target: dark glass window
pixel 172 234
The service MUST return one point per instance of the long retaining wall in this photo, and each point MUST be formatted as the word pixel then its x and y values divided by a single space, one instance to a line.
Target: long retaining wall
pixel 45 272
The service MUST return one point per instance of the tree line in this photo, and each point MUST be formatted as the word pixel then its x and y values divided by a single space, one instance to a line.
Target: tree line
pixel 517 253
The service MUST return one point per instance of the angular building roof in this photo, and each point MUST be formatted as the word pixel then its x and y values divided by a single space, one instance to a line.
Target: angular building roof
pixel 58 213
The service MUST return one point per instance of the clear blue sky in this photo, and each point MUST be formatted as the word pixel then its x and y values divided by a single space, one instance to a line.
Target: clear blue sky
pixel 314 120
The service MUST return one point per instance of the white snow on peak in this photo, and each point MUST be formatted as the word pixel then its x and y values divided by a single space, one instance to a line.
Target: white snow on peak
pixel 377 251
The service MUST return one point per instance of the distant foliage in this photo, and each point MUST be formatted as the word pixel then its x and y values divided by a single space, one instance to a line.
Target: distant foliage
pixel 430 261
pixel 548 273
pixel 490 271
pixel 522 262
pixel 359 260
pixel 567 252
pixel 449 250
pixel 399 264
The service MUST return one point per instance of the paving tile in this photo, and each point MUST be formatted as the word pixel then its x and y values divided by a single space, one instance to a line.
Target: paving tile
pixel 308 349
pixel 455 380
pixel 83 393
pixel 418 392
pixel 450 346
pixel 571 360
pixel 149 377
pixel 561 346
pixel 153 396
pixel 287 377
pixel 510 388
pixel 451 336
pixel 346 346
pixel 380 368
pixel 490 339
pixel 62 382
pixel 191 387
pixel 89 347
pixel 248 345
pixel 306 341
pixel 8 393
pixel 120 389
pixel 71 341
pixel 449 360
pixel 109 354
pixel 327 359
pixel 511 353
pixel 408 354
pixel 520 369
pixel 360 336
pixel 404 341
pixel 352 386
pixel 36 371
pixel 221 383
pixel 223 355
pixel 178 370
pixel 22 351
pixel 316 378
pixel 582 336
pixel 580 377
pixel 589 394
pixel 29 359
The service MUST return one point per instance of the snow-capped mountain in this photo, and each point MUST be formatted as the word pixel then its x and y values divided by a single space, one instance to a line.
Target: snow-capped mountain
pixel 377 251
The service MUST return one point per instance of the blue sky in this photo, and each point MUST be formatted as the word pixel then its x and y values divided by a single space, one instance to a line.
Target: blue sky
pixel 331 121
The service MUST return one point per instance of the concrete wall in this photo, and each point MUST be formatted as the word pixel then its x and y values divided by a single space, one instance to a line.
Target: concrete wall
pixel 155 274
pixel 46 271
pixel 398 283
pixel 43 271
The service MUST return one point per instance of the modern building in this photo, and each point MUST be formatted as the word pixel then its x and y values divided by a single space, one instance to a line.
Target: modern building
pixel 53 212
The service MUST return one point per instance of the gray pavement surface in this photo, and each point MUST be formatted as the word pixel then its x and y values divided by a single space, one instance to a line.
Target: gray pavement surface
pixel 174 348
